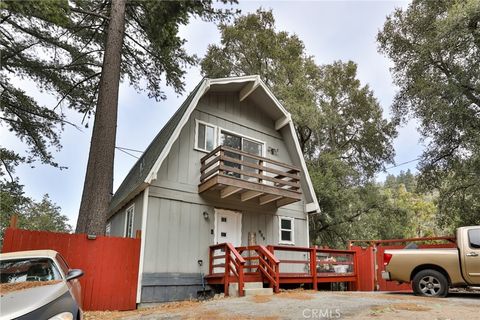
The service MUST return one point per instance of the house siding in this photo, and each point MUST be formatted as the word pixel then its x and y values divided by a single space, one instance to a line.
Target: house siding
pixel 177 234
pixel 117 221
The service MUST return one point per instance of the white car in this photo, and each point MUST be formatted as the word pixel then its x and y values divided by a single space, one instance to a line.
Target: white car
pixel 37 285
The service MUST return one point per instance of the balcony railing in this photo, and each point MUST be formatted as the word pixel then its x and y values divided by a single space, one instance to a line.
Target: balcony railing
pixel 248 177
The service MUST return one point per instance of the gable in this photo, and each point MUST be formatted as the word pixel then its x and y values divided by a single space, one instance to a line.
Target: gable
pixel 249 87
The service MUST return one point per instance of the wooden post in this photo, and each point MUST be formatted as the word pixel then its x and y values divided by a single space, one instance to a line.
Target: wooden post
pixel 241 292
pixel 313 266
pixel 222 162
pixel 227 271
pixel 210 263
pixel 260 162
pixel 13 221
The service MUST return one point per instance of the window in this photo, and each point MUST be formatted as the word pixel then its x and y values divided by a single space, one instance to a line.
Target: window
pixel 108 229
pixel 286 227
pixel 474 238
pixel 28 269
pixel 129 222
pixel 244 144
pixel 205 136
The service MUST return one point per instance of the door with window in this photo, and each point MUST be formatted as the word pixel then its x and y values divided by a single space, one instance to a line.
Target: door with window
pixel 228 227
pixel 246 145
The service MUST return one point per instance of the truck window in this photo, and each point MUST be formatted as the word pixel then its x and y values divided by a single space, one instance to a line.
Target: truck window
pixel 474 238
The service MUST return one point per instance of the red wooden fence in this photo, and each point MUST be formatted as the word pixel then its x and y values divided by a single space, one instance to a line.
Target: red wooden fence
pixel 110 264
pixel 370 263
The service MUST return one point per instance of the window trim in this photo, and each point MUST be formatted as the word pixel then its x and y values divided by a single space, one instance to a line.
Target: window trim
pixel 126 220
pixel 108 229
pixel 220 129
pixel 215 136
pixel 280 240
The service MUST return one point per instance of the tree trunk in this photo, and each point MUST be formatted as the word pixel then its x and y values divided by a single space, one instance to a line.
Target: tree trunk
pixel 98 186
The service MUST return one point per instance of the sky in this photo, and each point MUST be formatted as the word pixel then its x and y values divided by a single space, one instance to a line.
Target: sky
pixel 330 30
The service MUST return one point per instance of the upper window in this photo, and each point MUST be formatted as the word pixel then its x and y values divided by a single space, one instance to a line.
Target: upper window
pixel 286 226
pixel 129 222
pixel 474 238
pixel 205 136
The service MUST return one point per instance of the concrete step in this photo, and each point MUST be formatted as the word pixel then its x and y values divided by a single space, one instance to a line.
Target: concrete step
pixel 233 287
pixel 259 292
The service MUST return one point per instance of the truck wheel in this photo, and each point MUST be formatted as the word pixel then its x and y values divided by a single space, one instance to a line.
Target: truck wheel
pixel 430 283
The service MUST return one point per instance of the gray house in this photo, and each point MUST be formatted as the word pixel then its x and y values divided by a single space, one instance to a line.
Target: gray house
pixel 227 167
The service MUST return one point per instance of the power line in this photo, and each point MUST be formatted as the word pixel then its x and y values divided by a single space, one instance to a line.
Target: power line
pixel 131 155
pixel 128 149
pixel 401 164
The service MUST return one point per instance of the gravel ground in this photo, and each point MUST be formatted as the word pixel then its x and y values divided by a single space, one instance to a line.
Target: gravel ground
pixel 298 304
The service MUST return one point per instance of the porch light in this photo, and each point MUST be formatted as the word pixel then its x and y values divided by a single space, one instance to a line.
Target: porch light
pixel 205 215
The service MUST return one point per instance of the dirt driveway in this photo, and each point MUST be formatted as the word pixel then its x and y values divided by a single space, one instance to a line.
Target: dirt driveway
pixel 312 305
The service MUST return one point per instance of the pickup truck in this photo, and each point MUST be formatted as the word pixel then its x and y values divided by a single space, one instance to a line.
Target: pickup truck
pixel 433 272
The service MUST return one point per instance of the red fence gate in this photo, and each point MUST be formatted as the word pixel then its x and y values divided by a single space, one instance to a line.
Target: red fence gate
pixel 370 261
pixel 110 264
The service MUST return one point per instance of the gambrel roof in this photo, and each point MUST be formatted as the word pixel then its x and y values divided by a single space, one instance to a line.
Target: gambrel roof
pixel 251 87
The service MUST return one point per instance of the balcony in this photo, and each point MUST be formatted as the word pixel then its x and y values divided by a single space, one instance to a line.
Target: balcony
pixel 243 176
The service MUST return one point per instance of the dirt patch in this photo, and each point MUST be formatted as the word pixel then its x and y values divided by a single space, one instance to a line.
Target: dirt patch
pixel 11 287
pixel 261 299
pixel 389 296
pixel 401 306
pixel 170 306
pixel 297 294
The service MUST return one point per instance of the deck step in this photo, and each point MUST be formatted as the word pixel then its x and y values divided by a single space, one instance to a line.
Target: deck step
pixel 233 287
pixel 258 292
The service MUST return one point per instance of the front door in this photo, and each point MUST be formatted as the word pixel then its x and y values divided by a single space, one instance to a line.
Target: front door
pixel 228 227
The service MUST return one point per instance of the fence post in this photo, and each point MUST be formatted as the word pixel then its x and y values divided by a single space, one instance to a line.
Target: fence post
pixel 313 266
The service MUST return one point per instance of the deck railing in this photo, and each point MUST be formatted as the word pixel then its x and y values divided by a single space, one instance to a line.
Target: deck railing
pixel 307 265
pixel 239 164
pixel 259 258
pixel 321 265
pixel 230 261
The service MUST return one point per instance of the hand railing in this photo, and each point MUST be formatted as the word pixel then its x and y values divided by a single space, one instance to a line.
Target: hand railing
pixel 232 263
pixel 267 264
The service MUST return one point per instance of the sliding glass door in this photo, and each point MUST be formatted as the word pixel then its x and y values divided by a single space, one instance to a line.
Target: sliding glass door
pixel 246 145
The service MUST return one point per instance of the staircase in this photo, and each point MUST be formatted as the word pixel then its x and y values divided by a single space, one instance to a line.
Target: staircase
pixel 249 289
pixel 240 278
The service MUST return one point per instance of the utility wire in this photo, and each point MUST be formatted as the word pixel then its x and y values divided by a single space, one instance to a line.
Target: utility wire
pixel 128 149
pixel 121 149
pixel 401 164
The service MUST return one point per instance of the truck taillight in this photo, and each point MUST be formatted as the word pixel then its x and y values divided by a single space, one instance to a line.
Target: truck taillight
pixel 386 258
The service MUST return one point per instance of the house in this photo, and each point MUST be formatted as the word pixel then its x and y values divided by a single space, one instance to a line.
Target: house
pixel 226 168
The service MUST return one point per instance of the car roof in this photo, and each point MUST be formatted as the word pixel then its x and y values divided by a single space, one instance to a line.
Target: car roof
pixel 29 254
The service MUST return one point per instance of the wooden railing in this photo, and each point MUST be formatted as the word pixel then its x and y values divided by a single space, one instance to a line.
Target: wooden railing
pixel 320 268
pixel 235 163
pixel 231 262
pixel 319 265
pixel 262 260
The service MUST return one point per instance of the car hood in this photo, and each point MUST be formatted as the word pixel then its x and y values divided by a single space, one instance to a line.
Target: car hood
pixel 17 303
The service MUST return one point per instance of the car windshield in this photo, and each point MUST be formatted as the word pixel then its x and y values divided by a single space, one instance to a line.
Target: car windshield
pixel 28 269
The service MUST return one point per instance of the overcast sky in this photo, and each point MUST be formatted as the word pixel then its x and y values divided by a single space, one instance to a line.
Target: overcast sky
pixel 331 30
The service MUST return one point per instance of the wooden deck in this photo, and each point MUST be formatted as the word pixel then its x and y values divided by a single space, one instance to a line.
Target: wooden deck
pixel 243 176
pixel 260 264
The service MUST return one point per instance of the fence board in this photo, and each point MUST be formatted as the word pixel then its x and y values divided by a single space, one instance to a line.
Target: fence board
pixel 110 264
